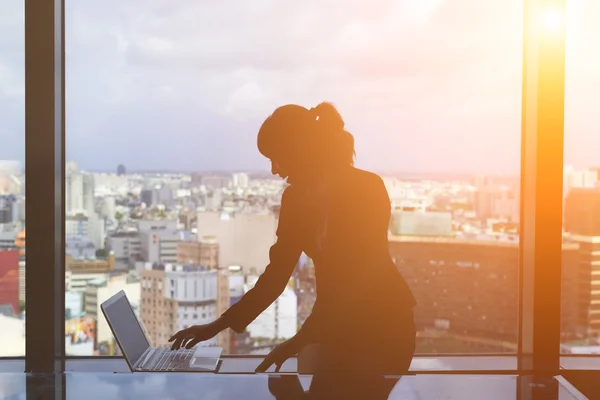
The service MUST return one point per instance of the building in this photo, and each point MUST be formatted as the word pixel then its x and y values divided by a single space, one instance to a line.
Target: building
pixel 240 180
pixel 161 246
pixel 88 225
pixel 149 197
pixel 13 336
pixel 100 290
pixel 8 209
pixel 78 282
pixel 573 179
pixel 108 208
pixel 79 191
pixel 174 297
pixel 244 238
pixel 126 247
pixel 213 181
pixel 280 320
pixel 11 182
pixel 582 212
pixel 80 247
pixel 9 279
pixel 73 304
pixel 8 236
pixel 202 252
pixel 22 279
pixel 224 339
pixel 77 265
pixel 470 287
pixel 582 222
pixel 421 223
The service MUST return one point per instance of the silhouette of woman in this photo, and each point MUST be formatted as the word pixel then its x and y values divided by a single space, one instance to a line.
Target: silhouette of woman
pixel 339 216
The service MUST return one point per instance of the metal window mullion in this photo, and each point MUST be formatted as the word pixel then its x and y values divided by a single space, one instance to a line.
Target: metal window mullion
pixel 44 190
pixel 541 189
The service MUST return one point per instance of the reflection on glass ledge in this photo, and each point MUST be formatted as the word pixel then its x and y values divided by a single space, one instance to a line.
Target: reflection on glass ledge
pixel 244 364
pixel 419 364
pixel 580 362
pixel 210 386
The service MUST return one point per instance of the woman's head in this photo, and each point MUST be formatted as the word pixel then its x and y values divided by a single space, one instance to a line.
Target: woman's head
pixel 302 142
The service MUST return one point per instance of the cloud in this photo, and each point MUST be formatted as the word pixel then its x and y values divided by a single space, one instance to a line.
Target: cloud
pixel 428 84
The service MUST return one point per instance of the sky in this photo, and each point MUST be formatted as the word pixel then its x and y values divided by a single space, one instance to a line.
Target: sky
pixel 424 85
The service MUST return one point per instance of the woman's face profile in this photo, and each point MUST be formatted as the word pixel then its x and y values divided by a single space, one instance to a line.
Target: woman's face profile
pixel 276 169
pixel 286 169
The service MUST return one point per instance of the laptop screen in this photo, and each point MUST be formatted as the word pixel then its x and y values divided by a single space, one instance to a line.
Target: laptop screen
pixel 125 326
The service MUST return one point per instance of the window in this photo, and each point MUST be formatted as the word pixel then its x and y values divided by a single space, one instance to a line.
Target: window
pixel 580 325
pixel 12 189
pixel 415 79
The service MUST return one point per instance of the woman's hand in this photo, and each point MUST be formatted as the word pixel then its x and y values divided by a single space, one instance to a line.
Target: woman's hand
pixel 193 335
pixel 280 354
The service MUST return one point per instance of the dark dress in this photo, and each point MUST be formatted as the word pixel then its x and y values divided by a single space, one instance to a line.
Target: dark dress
pixel 363 311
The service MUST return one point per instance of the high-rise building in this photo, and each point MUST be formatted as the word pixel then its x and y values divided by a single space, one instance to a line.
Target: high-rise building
pixel 244 238
pixel 582 222
pixel 470 287
pixel 175 297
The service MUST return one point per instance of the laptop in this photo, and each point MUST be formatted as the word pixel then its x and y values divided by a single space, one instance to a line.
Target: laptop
pixel 140 356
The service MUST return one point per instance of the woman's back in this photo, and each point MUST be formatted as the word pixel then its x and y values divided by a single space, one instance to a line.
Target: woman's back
pixel 356 278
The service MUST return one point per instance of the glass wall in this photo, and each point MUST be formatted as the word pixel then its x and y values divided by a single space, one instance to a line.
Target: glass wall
pixel 12 179
pixel 165 187
pixel 581 204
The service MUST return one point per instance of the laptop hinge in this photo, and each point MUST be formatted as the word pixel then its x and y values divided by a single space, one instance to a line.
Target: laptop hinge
pixel 142 359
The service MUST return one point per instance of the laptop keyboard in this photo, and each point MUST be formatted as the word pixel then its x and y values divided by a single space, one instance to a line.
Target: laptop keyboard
pixel 170 360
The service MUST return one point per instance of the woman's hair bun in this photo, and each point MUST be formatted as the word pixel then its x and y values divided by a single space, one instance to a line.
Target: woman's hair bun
pixel 329 116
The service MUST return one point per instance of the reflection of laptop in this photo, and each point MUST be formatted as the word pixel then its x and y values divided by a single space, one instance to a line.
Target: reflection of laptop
pixel 140 355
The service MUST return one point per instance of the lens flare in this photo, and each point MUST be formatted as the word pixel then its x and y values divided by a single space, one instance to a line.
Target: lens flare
pixel 552 20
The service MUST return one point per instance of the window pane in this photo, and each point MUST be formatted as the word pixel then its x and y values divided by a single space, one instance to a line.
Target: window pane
pixel 580 325
pixel 12 179
pixel 163 105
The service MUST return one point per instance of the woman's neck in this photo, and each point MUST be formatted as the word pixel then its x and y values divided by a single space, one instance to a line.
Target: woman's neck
pixel 326 177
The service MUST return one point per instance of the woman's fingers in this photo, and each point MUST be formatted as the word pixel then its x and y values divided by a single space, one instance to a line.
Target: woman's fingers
pixel 192 343
pixel 263 366
pixel 175 336
pixel 180 338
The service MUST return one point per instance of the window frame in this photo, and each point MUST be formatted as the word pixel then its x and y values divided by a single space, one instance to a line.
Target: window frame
pixel 542 150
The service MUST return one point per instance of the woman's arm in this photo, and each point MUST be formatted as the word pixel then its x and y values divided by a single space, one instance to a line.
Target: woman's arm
pixel 283 256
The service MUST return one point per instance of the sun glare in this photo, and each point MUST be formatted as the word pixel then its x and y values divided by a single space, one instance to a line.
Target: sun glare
pixel 552 20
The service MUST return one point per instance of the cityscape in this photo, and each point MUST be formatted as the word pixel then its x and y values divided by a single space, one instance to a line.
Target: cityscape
pixel 186 246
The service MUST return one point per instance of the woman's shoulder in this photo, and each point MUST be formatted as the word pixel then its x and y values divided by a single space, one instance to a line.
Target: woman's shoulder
pixel 289 195
pixel 366 179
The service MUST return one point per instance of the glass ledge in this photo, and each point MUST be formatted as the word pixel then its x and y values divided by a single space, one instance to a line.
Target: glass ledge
pixel 9 366
pixel 232 365
pixel 420 364
pixel 589 363
pixel 177 386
